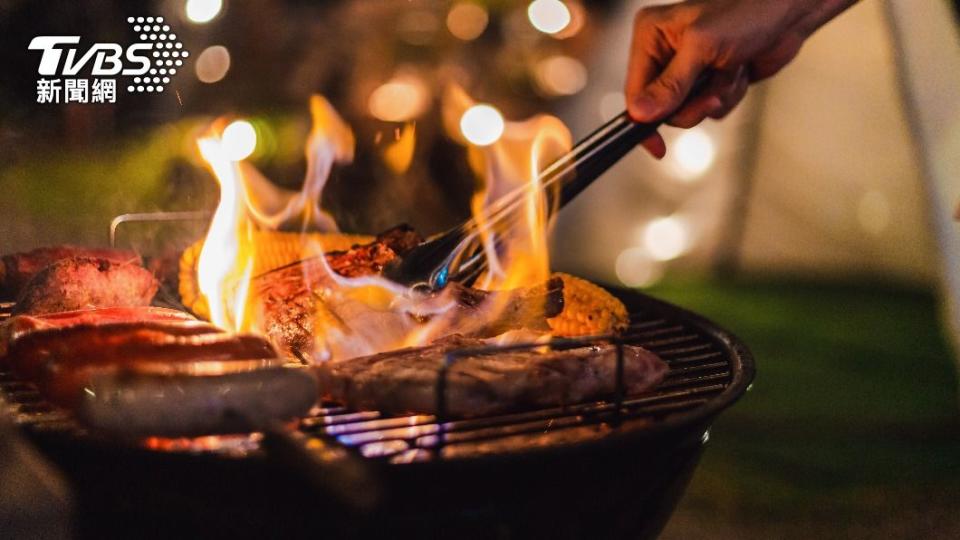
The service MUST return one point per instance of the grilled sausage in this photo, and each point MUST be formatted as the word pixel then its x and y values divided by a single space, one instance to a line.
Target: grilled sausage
pixel 102 343
pixel 21 325
pixel 64 373
pixel 240 397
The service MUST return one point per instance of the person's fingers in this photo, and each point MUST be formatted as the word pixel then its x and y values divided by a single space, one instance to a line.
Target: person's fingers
pixel 732 97
pixel 695 111
pixel 655 145
pixel 663 95
pixel 712 100
pixel 647 57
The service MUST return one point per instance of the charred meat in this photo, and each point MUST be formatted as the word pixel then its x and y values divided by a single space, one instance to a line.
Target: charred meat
pixel 405 381
pixel 18 268
pixel 83 283
pixel 301 307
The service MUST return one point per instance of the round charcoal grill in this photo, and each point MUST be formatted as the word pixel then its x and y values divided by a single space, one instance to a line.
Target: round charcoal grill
pixel 605 469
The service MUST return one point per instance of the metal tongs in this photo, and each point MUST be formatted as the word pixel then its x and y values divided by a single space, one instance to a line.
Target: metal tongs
pixel 458 254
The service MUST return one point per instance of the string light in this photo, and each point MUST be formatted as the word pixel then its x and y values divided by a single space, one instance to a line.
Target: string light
pixel 467 20
pixel 482 125
pixel 635 268
pixel 612 104
pixel 693 153
pixel 239 140
pixel 666 238
pixel 561 75
pixel 548 16
pixel 212 64
pixel 202 11
pixel 398 100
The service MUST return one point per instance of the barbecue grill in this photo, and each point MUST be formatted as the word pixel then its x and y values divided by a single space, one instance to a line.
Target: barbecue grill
pixel 612 468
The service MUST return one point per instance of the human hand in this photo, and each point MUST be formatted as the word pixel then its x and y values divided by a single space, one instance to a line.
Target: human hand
pixel 739 41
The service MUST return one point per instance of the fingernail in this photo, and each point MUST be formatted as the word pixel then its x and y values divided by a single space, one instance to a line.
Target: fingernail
pixel 643 108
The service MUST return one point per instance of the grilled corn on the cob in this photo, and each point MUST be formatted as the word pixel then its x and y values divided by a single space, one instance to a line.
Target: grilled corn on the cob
pixel 588 310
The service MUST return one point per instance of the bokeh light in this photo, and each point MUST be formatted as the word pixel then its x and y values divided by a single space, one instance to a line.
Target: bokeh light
pixel 202 11
pixel 578 19
pixel 399 100
pixel 548 16
pixel 213 64
pixel 666 238
pixel 418 27
pixel 635 268
pixel 693 152
pixel 561 75
pixel 239 140
pixel 482 125
pixel 612 104
pixel 467 20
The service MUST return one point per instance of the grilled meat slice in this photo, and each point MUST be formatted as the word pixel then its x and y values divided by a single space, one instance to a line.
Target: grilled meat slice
pixel 18 268
pixel 405 381
pixel 82 283
pixel 361 259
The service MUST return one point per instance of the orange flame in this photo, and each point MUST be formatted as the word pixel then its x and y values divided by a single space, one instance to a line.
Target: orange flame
pixel 371 314
pixel 249 202
pixel 510 204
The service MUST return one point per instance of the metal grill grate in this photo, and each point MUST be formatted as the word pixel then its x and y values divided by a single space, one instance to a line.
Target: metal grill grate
pixel 700 369
pixel 703 362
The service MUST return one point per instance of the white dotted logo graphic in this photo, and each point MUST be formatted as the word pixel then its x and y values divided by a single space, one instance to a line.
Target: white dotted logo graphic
pixel 166 57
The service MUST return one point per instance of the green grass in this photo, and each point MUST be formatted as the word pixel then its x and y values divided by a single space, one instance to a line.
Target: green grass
pixel 853 413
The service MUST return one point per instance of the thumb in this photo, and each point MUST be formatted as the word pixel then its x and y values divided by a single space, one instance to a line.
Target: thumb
pixel 664 95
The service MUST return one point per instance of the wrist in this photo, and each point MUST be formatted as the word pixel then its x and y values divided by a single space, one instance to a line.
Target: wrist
pixel 813 14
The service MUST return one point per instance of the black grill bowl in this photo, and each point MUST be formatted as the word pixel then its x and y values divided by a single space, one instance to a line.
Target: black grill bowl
pixel 584 472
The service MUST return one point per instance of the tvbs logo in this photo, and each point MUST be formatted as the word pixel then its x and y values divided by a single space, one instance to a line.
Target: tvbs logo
pixel 151 62
pixel 108 58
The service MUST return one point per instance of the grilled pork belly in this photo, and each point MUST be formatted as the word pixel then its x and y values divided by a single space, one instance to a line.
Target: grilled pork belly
pixel 18 268
pixel 405 381
pixel 81 283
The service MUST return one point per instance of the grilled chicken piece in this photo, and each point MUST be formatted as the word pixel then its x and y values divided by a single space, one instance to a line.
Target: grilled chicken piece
pixel 405 381
pixel 18 268
pixel 82 283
